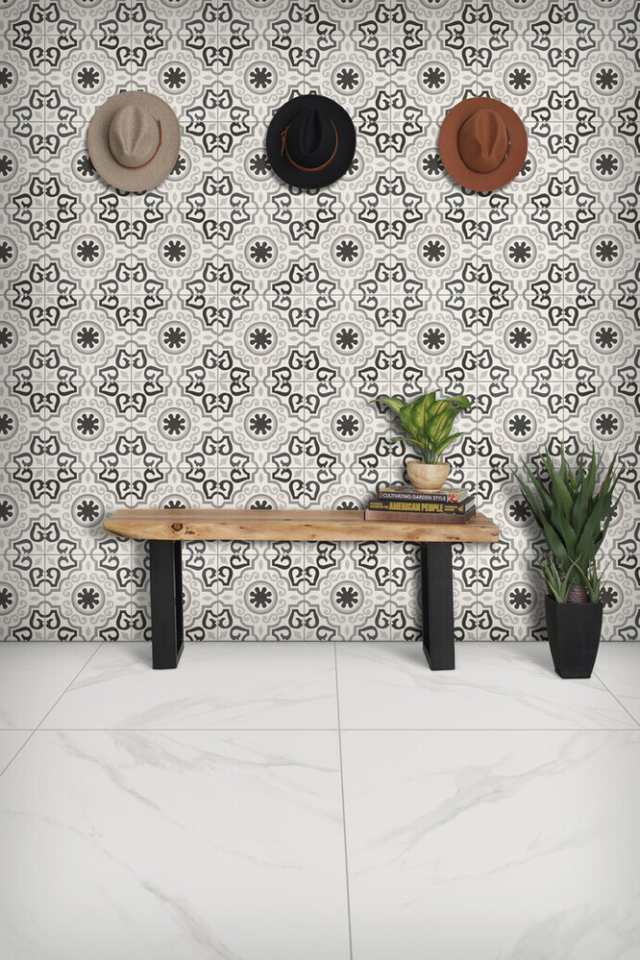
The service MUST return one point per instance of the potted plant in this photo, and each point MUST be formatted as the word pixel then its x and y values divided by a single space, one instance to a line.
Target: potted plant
pixel 428 426
pixel 574 513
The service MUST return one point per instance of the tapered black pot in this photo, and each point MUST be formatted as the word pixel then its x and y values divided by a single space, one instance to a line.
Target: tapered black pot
pixel 574 636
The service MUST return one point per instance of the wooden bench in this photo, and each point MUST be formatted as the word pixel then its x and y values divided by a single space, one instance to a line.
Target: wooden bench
pixel 166 529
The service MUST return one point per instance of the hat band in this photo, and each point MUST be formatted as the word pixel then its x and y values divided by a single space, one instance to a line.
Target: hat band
pixel 321 166
pixel 139 166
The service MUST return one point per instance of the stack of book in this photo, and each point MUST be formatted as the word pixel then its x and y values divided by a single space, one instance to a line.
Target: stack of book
pixel 402 503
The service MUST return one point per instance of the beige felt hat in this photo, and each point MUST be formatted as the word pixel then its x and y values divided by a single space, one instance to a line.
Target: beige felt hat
pixel 133 141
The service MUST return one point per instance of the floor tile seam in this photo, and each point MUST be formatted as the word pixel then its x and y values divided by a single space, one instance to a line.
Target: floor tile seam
pixel 68 729
pixel 71 682
pixel 617 700
pixel 478 730
pixel 54 704
pixel 343 729
pixel 342 801
pixel 323 730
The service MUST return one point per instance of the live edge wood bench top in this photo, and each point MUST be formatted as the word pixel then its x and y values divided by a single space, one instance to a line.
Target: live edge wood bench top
pixel 166 529
pixel 207 523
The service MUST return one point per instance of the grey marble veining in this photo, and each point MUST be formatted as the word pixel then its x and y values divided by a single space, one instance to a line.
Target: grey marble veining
pixel 229 686
pixel 481 839
pixel 189 845
pixel 502 686
pixel 493 844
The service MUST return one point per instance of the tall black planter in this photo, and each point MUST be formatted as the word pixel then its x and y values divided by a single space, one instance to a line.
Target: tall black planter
pixel 574 636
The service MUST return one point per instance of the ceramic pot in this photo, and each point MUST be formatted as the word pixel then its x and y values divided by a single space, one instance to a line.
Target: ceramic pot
pixel 574 636
pixel 427 476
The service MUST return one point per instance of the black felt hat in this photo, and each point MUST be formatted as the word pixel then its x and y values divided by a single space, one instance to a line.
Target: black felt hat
pixel 311 141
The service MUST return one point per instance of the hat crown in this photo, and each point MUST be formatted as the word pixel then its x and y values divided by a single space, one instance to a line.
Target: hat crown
pixel 483 141
pixel 311 138
pixel 310 141
pixel 134 136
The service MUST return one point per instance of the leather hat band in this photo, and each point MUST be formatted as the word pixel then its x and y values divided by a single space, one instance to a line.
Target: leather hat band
pixel 322 166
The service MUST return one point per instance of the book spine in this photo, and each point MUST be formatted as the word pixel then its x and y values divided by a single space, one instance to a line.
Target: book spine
pixel 420 497
pixel 409 506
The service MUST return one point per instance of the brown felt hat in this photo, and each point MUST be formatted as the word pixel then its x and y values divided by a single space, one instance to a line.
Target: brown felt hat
pixel 483 143
pixel 133 141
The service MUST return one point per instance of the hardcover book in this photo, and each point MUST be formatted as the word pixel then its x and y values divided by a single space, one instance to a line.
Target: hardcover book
pixel 374 512
pixel 416 506
pixel 406 492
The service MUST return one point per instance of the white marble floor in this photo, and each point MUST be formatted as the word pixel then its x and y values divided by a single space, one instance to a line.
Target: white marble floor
pixel 317 801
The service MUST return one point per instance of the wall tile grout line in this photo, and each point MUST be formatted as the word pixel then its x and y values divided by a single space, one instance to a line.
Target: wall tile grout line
pixel 305 263
pixel 563 242
pixel 344 815
pixel 473 548
pixel 54 704
pixel 219 335
pixel 129 339
pixel 388 548
pixel 44 343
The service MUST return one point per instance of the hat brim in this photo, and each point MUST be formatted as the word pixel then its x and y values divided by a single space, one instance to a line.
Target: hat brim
pixel 450 154
pixel 158 168
pixel 344 153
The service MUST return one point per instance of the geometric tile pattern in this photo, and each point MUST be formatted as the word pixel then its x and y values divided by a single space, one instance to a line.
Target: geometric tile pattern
pixel 219 340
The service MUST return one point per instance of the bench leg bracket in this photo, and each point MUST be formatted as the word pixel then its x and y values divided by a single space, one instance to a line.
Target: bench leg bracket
pixel 167 637
pixel 437 605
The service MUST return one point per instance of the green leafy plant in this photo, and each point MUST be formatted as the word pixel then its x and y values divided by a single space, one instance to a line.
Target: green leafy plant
pixel 557 582
pixel 574 513
pixel 428 421
pixel 593 583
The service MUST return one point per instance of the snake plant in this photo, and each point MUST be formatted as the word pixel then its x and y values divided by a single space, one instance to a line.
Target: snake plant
pixel 428 421
pixel 574 514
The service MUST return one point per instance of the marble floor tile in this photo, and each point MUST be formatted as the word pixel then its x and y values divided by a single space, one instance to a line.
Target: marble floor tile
pixel 216 686
pixel 33 675
pixel 10 743
pixel 495 685
pixel 175 846
pixel 618 667
pixel 493 844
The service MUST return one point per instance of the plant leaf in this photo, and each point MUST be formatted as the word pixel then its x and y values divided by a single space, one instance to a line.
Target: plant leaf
pixel 558 487
pixel 579 511
pixel 555 543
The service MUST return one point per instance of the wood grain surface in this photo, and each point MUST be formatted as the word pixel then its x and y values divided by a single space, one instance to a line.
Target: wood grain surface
pixel 204 523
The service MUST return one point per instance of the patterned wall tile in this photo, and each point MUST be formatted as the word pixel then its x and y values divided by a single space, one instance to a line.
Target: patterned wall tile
pixel 219 340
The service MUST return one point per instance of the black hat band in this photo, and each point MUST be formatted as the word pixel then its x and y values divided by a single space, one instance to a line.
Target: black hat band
pixel 322 166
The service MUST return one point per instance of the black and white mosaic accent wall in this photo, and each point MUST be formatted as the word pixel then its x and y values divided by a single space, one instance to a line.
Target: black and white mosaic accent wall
pixel 220 339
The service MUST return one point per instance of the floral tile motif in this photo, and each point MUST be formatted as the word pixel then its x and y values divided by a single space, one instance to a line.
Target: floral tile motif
pixel 219 340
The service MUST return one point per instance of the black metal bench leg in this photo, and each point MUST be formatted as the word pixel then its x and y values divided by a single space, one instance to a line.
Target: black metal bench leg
pixel 166 603
pixel 437 605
